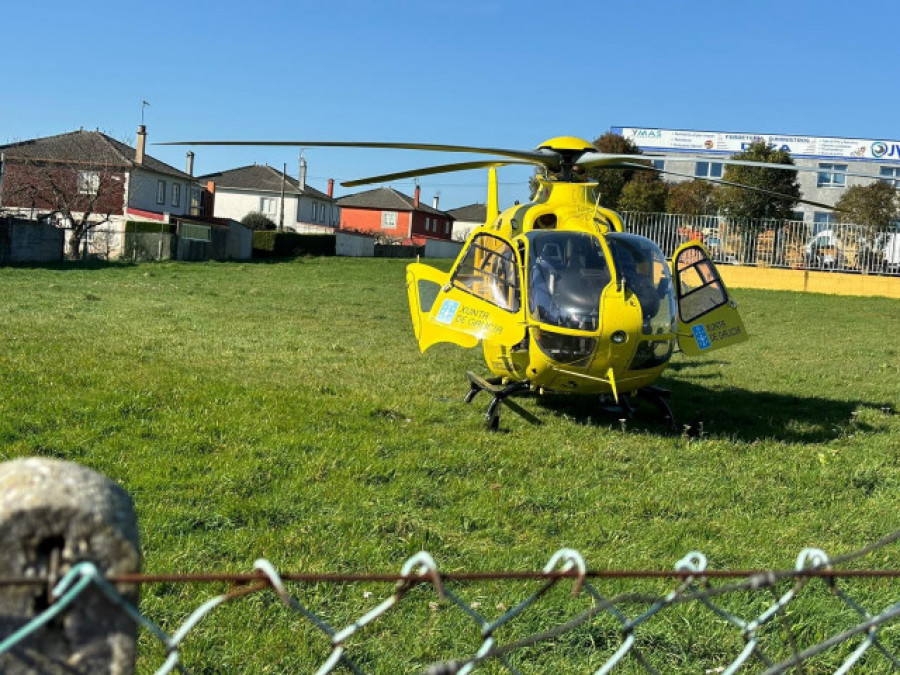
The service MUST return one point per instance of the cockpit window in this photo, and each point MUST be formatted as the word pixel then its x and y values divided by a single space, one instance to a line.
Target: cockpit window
pixel 489 271
pixel 643 270
pixel 567 272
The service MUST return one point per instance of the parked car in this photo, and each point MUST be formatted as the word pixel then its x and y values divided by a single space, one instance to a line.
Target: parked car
pixel 825 251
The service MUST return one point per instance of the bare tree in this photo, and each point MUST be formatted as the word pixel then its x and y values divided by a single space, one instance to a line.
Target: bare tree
pixel 78 178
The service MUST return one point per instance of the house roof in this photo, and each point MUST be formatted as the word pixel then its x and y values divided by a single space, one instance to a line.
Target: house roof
pixel 92 147
pixel 261 178
pixel 386 199
pixel 471 213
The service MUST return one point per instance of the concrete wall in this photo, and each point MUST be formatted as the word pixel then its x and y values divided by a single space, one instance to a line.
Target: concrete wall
pixel 240 242
pixel 25 241
pixel 436 248
pixel 354 245
pixel 829 283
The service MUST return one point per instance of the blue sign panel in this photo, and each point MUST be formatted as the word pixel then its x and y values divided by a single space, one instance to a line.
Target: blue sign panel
pixel 447 311
pixel 701 337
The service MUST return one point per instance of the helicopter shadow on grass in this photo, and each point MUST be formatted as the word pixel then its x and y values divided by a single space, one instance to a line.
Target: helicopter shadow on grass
pixel 730 413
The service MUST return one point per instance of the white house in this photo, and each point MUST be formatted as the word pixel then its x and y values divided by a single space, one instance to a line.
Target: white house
pixel 467 218
pixel 288 202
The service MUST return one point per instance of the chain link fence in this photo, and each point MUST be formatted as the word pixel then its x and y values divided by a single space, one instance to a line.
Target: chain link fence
pixel 772 637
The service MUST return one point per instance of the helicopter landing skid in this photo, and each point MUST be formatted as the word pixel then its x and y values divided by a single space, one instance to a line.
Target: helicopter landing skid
pixel 501 392
pixel 655 395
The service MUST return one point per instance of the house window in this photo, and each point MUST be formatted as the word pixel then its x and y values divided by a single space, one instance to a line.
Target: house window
pixel 267 205
pixel 822 220
pixel 659 164
pixel 315 211
pixel 88 182
pixel 176 194
pixel 827 177
pixel 322 210
pixel 708 170
pixel 388 220
pixel 427 224
pixel 195 232
pixel 447 227
pixel 892 173
pixel 160 192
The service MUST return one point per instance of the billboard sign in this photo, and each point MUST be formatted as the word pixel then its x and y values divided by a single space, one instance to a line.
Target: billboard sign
pixel 729 143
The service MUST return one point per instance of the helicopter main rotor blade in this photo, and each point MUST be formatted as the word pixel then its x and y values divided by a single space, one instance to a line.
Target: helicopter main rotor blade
pixel 429 170
pixel 606 160
pixel 752 188
pixel 547 158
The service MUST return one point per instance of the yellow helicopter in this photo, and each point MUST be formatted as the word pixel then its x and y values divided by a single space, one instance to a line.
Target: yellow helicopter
pixel 560 297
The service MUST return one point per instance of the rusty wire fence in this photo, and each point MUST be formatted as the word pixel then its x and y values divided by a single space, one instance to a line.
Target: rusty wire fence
pixel 788 244
pixel 772 632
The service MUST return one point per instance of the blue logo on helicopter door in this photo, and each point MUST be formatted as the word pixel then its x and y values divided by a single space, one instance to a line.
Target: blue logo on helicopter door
pixel 701 337
pixel 447 311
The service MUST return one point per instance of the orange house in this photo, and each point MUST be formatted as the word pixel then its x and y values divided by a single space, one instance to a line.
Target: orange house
pixel 387 212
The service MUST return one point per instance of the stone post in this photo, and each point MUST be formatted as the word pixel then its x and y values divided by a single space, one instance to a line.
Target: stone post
pixel 53 515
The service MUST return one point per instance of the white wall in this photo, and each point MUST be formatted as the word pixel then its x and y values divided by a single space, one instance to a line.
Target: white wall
pixel 463 228
pixel 436 248
pixel 354 245
pixel 236 204
pixel 298 211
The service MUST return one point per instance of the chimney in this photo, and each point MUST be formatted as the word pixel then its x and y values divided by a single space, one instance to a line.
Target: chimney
pixel 434 202
pixel 331 187
pixel 189 167
pixel 209 199
pixel 302 172
pixel 416 197
pixel 141 144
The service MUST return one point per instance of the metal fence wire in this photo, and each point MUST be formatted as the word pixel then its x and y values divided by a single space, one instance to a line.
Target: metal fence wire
pixel 866 632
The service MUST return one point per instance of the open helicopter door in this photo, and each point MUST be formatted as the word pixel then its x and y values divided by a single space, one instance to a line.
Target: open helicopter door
pixel 707 318
pixel 480 299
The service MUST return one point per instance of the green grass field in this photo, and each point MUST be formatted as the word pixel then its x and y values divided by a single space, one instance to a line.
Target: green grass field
pixel 283 411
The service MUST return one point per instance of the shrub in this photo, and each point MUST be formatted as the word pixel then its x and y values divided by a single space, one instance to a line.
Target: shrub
pixel 257 221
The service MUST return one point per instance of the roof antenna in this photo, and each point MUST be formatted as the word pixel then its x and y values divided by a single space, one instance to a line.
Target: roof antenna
pixel 144 104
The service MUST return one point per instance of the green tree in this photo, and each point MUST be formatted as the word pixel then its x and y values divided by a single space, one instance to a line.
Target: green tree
pixel 737 202
pixel 644 193
pixel 875 208
pixel 693 198
pixel 257 221
pixel 612 181
pixel 747 208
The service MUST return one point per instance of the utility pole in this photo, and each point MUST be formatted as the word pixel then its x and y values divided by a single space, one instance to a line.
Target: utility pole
pixel 281 211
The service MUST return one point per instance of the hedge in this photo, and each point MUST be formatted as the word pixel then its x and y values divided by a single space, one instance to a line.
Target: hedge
pixel 273 244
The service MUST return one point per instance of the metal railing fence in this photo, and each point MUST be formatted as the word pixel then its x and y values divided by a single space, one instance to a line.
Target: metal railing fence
pixel 788 244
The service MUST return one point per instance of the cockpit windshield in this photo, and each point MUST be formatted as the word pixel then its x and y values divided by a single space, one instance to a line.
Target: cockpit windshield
pixel 642 268
pixel 567 272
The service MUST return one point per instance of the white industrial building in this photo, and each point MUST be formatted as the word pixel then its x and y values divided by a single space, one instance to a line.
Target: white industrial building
pixel 828 155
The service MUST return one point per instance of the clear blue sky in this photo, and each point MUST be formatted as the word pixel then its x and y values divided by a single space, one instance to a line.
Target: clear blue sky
pixel 497 73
